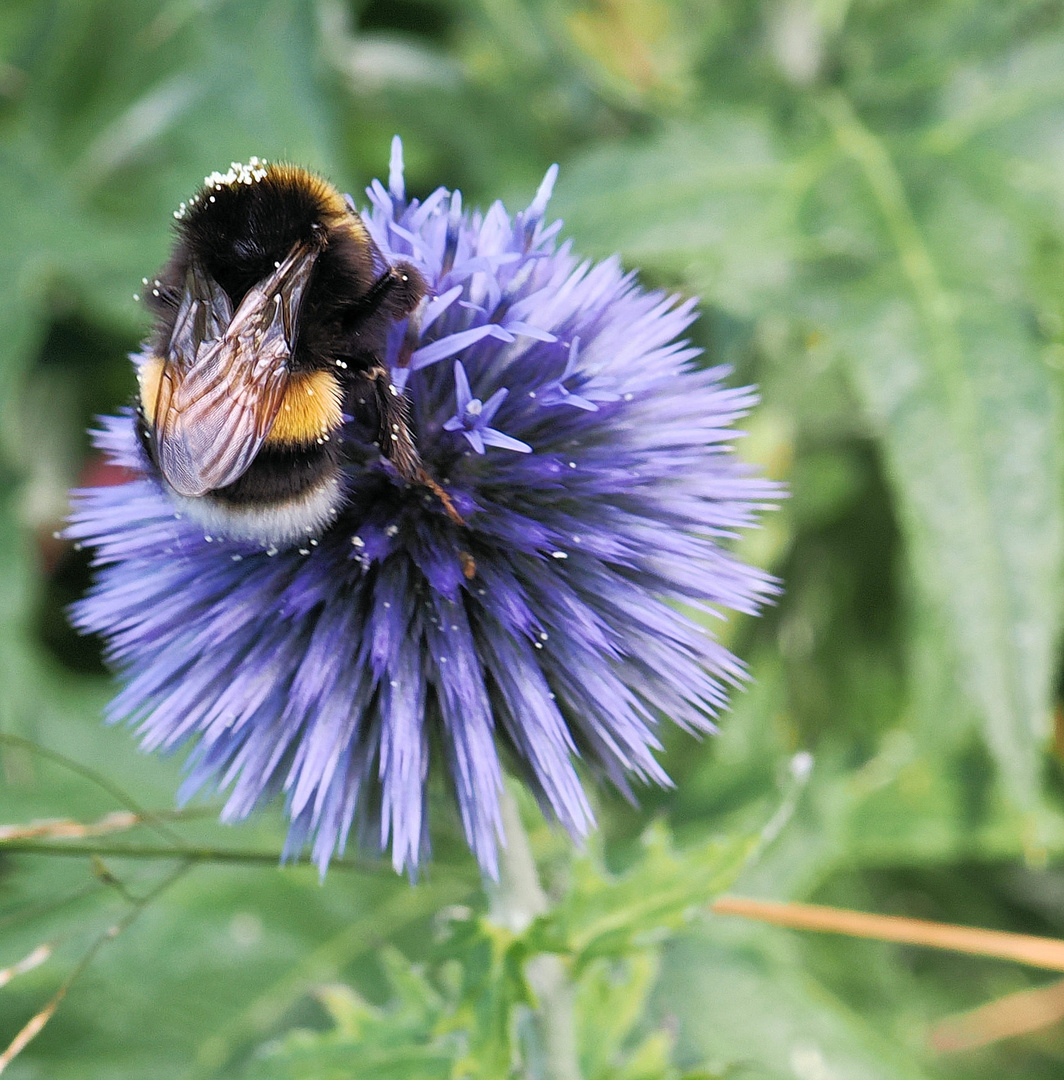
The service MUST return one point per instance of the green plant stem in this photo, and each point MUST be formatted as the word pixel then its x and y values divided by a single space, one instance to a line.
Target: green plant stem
pixel 97 778
pixel 186 851
pixel 516 899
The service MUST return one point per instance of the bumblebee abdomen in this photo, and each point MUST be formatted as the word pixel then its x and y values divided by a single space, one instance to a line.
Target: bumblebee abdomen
pixel 281 473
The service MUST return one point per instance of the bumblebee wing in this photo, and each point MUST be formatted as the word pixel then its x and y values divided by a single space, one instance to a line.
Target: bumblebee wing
pixel 203 315
pixel 213 418
pixel 215 407
pixel 226 374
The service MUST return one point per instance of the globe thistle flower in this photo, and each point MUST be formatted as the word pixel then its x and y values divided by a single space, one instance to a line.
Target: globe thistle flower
pixel 588 467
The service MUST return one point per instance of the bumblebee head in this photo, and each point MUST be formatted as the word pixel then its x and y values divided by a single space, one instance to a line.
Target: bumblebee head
pixel 243 224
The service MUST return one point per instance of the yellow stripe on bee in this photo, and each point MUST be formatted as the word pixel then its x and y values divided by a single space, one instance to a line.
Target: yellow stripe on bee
pixel 149 375
pixel 311 409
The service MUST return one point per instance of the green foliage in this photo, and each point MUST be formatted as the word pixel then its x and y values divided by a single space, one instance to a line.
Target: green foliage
pixel 396 1041
pixel 868 196
pixel 963 408
pixel 467 1014
pixel 602 915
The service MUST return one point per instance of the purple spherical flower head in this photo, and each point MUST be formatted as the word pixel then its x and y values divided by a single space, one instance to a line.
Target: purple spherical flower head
pixel 555 402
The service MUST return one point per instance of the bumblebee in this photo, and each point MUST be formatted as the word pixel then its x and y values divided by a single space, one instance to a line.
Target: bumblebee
pixel 271 318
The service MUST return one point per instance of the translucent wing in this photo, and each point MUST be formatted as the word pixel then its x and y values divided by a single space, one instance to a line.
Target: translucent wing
pixel 224 379
pixel 212 420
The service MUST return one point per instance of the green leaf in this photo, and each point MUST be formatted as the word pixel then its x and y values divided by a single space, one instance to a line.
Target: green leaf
pixel 713 204
pixel 746 1008
pixel 923 308
pixel 611 997
pixel 492 988
pixel 970 420
pixel 607 915
pixel 396 1041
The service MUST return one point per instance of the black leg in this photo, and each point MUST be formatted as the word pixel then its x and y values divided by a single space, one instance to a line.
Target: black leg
pixel 397 441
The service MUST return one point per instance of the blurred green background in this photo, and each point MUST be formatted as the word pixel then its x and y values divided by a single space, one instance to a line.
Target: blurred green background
pixel 869 198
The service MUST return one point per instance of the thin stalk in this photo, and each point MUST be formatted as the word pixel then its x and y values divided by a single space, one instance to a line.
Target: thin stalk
pixel 1022 1013
pixel 115 821
pixel 33 1027
pixel 1047 953
pixel 97 778
pixel 516 899
pixel 192 853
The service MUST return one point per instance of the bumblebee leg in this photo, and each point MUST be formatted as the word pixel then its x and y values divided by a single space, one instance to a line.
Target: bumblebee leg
pixel 397 441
